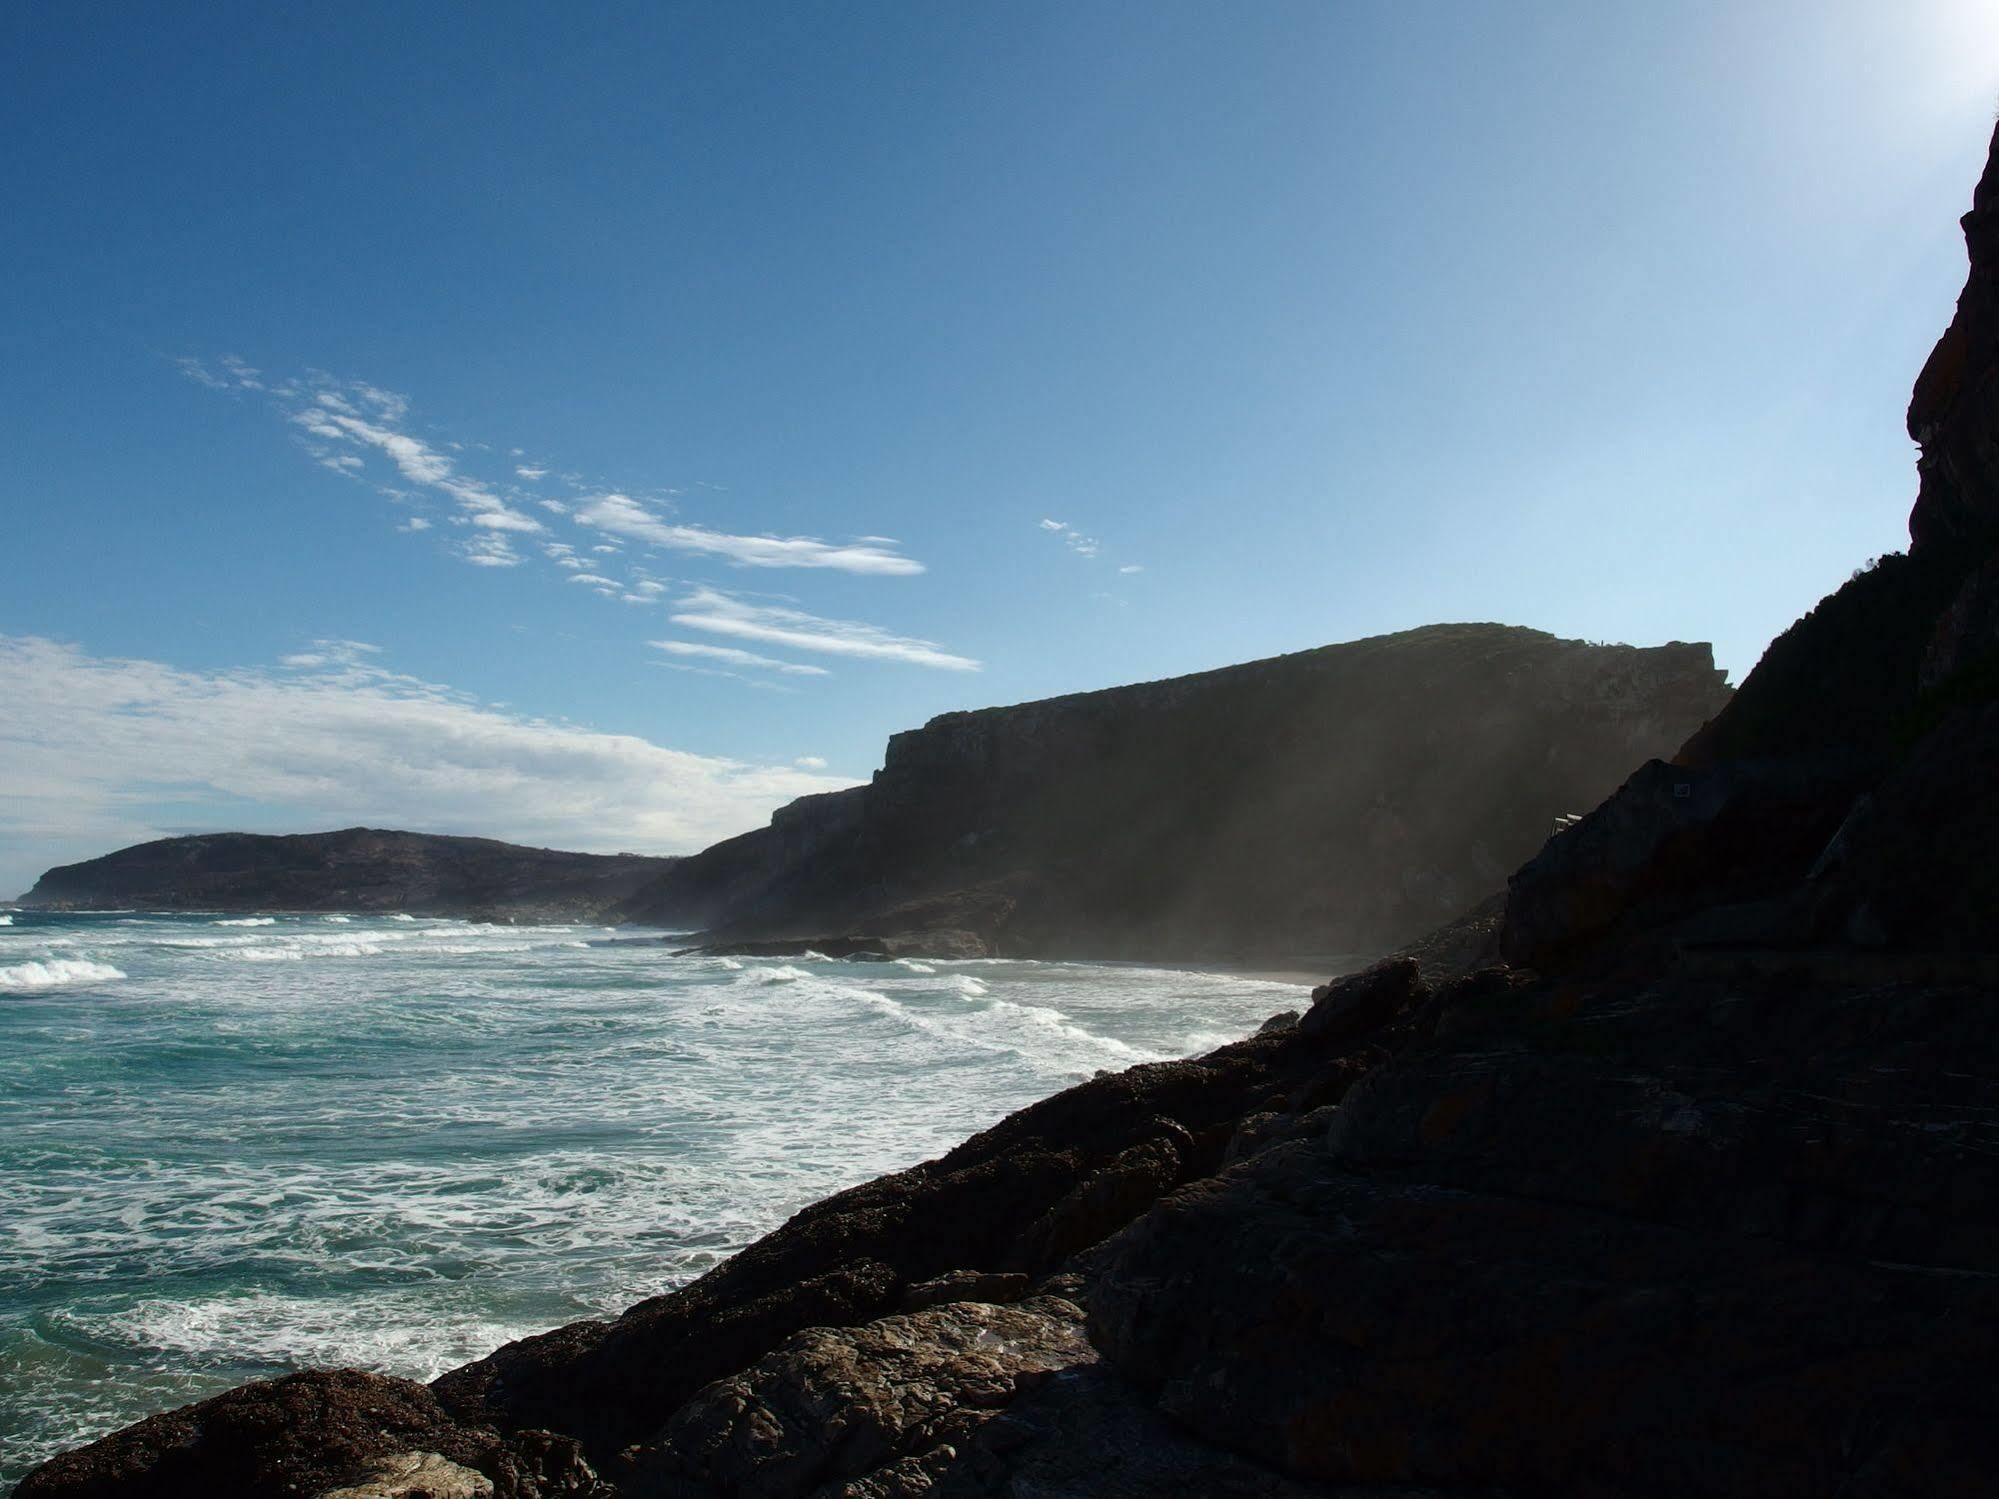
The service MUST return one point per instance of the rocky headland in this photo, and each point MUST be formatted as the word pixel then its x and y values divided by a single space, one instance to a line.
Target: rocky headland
pixel 1344 799
pixel 1678 1177
pixel 354 870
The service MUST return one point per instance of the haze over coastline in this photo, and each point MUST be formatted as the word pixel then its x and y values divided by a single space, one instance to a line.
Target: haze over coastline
pixel 605 470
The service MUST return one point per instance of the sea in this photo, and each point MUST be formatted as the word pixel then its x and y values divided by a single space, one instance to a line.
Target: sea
pixel 236 1145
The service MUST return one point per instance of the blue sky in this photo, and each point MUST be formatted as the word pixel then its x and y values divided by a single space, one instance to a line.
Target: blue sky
pixel 1060 345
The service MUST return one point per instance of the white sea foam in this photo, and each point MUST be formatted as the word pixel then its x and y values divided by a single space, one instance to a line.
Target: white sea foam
pixel 250 921
pixel 342 920
pixel 402 916
pixel 381 1332
pixel 377 1195
pixel 56 973
pixel 6 920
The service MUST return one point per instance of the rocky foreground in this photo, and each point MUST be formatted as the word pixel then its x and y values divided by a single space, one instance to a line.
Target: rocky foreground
pixel 1680 1177
pixel 354 870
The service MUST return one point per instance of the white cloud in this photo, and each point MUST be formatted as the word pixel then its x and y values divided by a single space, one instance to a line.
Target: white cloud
pixel 1074 540
pixel 200 373
pixel 1131 567
pixel 330 412
pixel 341 423
pixel 414 523
pixel 104 751
pixel 734 657
pixel 624 516
pixel 809 762
pixel 724 614
pixel 233 373
pixel 595 579
pixel 489 550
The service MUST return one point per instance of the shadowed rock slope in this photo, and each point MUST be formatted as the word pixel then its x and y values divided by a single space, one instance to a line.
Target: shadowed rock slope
pixel 356 869
pixel 1343 799
pixel 1696 1195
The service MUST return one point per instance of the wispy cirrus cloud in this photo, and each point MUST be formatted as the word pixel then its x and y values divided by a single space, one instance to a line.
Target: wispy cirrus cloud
pixel 365 433
pixel 365 416
pixel 621 515
pixel 102 751
pixel 734 657
pixel 719 613
pixel 230 372
pixel 339 419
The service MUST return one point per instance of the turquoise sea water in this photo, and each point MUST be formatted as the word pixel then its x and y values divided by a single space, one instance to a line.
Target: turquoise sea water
pixel 233 1146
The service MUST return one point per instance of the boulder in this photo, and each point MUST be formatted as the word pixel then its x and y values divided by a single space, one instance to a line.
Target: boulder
pixel 832 1405
pixel 324 1432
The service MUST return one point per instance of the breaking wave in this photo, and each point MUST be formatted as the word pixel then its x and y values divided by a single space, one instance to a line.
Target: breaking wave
pixel 56 973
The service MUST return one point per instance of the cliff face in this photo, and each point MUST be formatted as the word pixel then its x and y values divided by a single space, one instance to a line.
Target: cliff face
pixel 1954 411
pixel 356 869
pixel 1333 800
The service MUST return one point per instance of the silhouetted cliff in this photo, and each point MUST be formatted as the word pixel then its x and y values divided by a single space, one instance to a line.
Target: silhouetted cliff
pixel 356 869
pixel 1335 800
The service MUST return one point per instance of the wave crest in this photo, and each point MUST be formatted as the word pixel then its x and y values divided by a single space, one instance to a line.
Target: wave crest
pixel 56 973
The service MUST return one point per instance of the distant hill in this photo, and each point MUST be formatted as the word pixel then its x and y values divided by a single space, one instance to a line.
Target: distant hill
pixel 355 869
pixel 1339 799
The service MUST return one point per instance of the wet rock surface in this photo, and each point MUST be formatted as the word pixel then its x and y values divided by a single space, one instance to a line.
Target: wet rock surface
pixel 831 1406
pixel 416 1475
